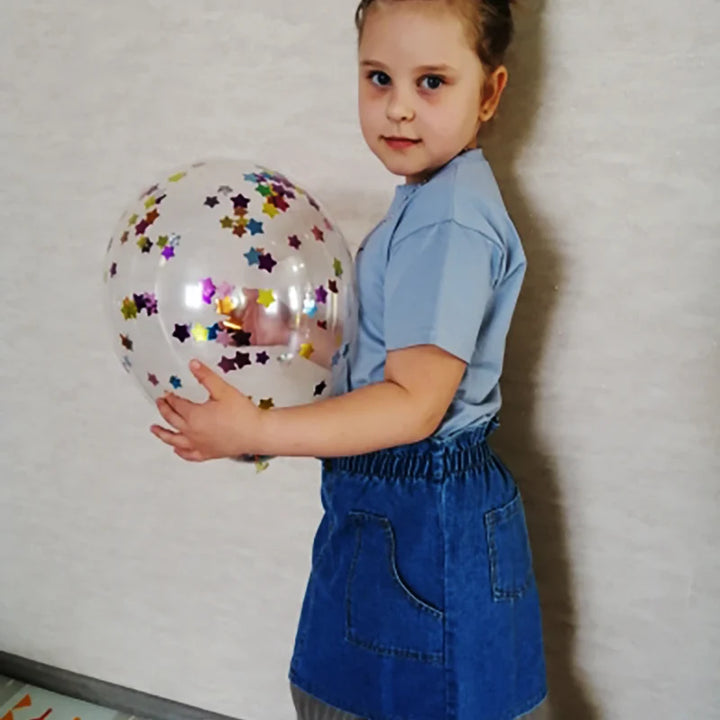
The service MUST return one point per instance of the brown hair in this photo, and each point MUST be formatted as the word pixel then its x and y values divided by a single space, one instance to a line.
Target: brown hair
pixel 489 24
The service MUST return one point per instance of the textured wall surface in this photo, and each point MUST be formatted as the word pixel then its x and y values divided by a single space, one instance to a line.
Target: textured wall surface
pixel 121 562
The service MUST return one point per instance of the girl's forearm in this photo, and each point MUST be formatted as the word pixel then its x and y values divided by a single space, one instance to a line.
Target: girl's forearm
pixel 370 418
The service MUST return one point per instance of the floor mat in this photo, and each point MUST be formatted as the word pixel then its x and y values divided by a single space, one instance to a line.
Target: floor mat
pixel 20 701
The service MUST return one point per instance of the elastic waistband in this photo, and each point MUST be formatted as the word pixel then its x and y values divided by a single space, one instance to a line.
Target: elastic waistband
pixel 433 458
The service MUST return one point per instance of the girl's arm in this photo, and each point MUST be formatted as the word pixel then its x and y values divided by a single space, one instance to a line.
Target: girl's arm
pixel 407 406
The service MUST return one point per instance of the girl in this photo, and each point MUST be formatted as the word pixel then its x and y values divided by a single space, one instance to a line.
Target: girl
pixel 421 603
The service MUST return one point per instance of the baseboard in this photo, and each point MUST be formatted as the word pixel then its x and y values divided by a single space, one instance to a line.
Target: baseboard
pixel 100 692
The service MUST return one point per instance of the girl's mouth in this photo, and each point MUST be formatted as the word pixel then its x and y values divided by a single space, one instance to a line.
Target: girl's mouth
pixel 397 143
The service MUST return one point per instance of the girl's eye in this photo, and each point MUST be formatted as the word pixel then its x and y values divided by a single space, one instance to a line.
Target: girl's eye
pixel 382 78
pixel 434 82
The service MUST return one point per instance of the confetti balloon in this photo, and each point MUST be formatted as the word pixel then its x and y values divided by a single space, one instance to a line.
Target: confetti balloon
pixel 232 263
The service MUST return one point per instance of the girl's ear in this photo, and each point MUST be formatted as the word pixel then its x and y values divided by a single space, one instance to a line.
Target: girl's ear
pixel 492 92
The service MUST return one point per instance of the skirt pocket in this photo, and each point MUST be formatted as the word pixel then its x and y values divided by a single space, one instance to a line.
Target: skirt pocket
pixel 382 613
pixel 510 558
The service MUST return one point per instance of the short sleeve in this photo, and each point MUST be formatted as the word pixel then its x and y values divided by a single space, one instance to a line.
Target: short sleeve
pixel 438 282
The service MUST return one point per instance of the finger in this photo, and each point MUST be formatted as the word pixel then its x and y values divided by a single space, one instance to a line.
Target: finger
pixel 189 455
pixel 210 380
pixel 174 439
pixel 180 405
pixel 169 414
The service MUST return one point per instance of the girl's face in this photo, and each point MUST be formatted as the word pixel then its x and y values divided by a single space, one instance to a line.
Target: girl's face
pixel 420 87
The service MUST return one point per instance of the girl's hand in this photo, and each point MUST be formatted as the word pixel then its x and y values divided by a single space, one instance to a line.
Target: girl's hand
pixel 265 328
pixel 225 425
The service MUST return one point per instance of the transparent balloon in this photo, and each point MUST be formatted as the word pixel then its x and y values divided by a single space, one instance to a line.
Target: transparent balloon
pixel 232 263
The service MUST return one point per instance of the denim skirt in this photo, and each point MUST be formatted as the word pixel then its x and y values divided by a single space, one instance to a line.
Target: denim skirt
pixel 421 602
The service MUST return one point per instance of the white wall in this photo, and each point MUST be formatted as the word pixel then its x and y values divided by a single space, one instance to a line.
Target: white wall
pixel 120 562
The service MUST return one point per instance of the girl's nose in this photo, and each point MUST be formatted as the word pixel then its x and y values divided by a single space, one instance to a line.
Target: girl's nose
pixel 399 109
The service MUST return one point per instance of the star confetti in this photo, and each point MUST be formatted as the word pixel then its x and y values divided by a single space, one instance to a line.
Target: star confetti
pixel 253 257
pixel 225 189
pixel 152 379
pixel 270 210
pixel 208 290
pixel 129 309
pixel 320 389
pixel 255 227
pixel 113 270
pixel 182 333
pixel 162 241
pixel 266 298
pixel 225 305
pixel 226 222
pixel 338 268
pixel 322 324
pixel 177 177
pixel 262 358
pixel 240 201
pixel 150 304
pixel 126 363
pixel 332 286
pixel 227 364
pixel 225 289
pixel 168 252
pixel 294 242
pixel 199 333
pixel 224 338
pixel 306 350
pixel 267 262
pixel 266 404
pixel 321 294
pixel 241 338
pixel 319 234
pixel 126 342
pixel 146 302
pixel 279 202
pixel 211 201
pixel 175 382
pixel 149 191
pixel 242 359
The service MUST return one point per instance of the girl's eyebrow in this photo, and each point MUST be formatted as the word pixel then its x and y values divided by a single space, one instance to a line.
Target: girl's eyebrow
pixel 421 68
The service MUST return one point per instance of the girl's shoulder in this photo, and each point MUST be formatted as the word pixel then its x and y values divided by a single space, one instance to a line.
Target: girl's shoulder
pixel 465 192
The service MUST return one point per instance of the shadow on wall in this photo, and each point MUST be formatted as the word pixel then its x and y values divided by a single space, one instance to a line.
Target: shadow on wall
pixel 518 441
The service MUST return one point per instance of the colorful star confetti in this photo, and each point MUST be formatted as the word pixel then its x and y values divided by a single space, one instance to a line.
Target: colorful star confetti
pixel 181 332
pixel 208 290
pixel 267 262
pixel 266 298
pixel 306 350
pixel 199 333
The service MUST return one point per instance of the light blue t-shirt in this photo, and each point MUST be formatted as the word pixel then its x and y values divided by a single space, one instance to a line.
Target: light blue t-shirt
pixel 444 267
